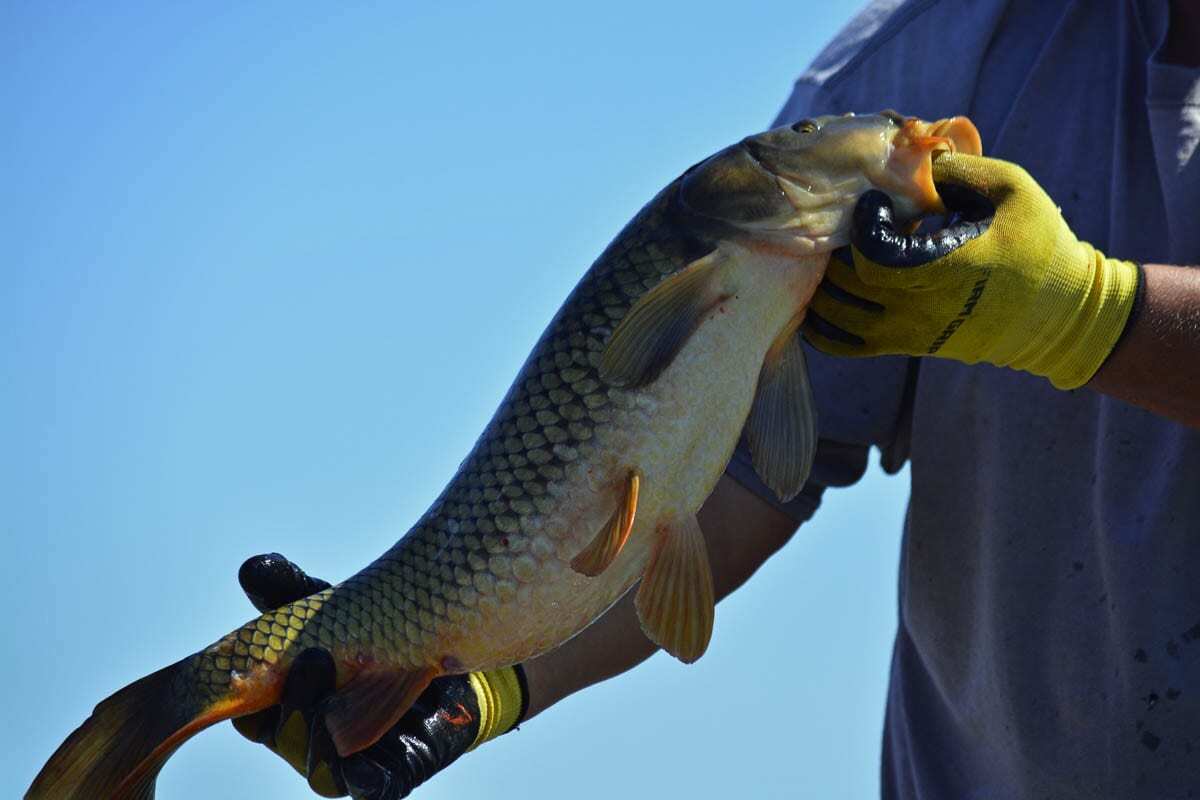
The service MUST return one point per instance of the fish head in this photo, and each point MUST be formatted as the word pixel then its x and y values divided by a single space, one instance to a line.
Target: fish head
pixel 802 181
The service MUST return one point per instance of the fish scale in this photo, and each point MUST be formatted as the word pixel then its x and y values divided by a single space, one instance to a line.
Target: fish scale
pixel 587 478
pixel 469 548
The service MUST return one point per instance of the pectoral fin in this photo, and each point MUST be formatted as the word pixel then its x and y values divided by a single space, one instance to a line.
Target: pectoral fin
pixel 675 602
pixel 370 704
pixel 607 545
pixel 782 427
pixel 657 326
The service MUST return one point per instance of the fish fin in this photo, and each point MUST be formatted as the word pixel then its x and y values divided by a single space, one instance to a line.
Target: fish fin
pixel 370 704
pixel 675 602
pixel 654 330
pixel 118 751
pixel 782 428
pixel 596 557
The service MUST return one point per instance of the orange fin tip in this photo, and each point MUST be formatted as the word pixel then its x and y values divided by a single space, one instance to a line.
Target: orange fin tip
pixel 604 549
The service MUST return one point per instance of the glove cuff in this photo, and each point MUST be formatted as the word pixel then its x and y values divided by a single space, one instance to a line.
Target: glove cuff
pixel 1110 289
pixel 503 699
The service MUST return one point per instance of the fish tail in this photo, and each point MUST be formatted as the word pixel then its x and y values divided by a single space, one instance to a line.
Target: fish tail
pixel 118 751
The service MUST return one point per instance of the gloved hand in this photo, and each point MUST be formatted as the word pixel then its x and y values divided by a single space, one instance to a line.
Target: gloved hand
pixel 1008 283
pixel 455 714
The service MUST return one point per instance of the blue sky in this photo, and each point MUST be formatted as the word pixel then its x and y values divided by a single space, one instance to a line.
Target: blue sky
pixel 267 272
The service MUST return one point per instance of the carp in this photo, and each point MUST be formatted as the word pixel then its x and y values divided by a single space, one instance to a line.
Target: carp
pixel 587 480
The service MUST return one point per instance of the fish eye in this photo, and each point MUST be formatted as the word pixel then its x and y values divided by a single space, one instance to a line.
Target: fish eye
pixel 894 116
pixel 805 126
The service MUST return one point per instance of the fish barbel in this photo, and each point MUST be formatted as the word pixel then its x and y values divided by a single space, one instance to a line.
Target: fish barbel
pixel 589 476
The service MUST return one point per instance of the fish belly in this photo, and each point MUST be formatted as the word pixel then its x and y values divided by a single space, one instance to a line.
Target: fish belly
pixel 679 433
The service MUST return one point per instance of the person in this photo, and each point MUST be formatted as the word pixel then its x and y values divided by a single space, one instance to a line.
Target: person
pixel 1046 392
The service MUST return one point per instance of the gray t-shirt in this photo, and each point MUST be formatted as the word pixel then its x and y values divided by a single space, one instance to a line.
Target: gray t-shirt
pixel 1049 625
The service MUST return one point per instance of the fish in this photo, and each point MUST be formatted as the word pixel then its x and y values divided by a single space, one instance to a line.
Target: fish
pixel 678 339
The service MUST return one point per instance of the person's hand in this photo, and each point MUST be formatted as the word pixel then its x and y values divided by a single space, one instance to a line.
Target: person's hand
pixel 455 714
pixel 1007 282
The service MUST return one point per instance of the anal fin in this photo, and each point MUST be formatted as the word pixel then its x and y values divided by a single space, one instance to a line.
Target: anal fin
pixel 676 602
pixel 660 322
pixel 596 557
pixel 370 704
pixel 782 427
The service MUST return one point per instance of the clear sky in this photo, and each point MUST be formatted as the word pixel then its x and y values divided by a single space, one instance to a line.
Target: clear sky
pixel 266 273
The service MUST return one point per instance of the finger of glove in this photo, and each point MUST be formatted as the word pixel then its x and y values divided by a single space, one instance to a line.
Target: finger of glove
pixel 829 338
pixel 884 256
pixel 324 767
pixel 902 331
pixel 843 255
pixel 837 329
pixel 366 779
pixel 847 317
pixel 842 286
pixel 310 680
pixel 838 315
pixel 993 178
pixel 1025 223
pixel 271 581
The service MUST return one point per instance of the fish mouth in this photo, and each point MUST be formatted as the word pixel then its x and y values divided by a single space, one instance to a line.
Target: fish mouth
pixel 914 148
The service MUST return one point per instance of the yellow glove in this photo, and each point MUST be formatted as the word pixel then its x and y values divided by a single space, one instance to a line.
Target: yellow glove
pixel 1008 284
pixel 454 715
pixel 500 695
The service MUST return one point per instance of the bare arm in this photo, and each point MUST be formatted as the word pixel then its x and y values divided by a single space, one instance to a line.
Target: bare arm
pixel 1156 365
pixel 741 531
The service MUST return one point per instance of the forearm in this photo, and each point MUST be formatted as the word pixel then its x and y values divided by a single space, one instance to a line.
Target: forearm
pixel 1156 364
pixel 741 532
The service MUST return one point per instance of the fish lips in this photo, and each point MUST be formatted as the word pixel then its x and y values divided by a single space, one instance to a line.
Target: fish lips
pixel 908 175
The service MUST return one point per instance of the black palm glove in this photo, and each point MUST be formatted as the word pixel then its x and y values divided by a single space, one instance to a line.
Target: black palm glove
pixel 1007 283
pixel 454 714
